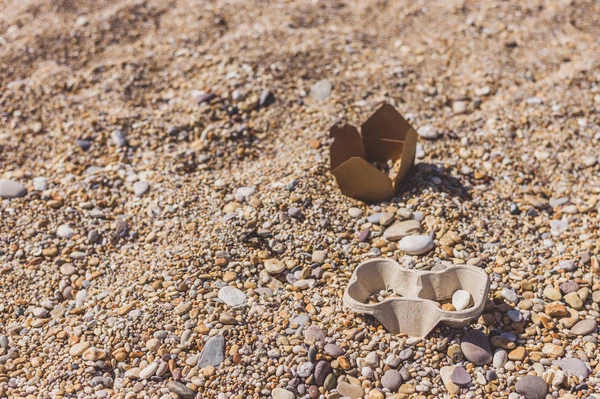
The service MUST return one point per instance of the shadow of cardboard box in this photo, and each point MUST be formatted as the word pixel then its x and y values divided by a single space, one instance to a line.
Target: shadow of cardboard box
pixel 385 137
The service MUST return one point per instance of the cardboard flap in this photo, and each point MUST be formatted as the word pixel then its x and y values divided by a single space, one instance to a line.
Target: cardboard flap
pixel 408 156
pixel 384 134
pixel 347 143
pixel 359 179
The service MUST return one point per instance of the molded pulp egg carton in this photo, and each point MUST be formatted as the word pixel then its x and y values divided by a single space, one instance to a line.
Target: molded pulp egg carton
pixel 417 311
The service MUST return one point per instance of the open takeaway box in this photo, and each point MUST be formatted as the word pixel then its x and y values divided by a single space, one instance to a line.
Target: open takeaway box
pixel 386 138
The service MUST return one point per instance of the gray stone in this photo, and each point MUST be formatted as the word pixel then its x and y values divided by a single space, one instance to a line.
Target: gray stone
pixel 355 212
pixel 11 189
pixel 532 387
pixel 476 347
pixel 40 183
pixel 584 327
pixel 232 296
pixel 402 229
pixel 321 90
pixel 65 231
pixel 460 376
pixel 118 138
pixel 140 188
pixel 304 369
pixel 391 380
pixel 333 350
pixel 322 370
pixel 574 367
pixel 319 256
pixel 313 334
pixel 568 287
pixel 510 295
pixel 181 390
pixel 416 245
pixel 500 358
pixel 213 352
pixel 428 132
pixel 405 354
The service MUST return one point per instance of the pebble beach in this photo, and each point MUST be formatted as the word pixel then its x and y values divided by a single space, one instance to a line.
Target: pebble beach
pixel 170 227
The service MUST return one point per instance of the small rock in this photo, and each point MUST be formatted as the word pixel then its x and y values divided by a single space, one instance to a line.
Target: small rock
pixel 183 391
pixel 148 371
pixel 84 144
pixel 532 387
pixel 266 98
pixel 232 296
pixel 402 229
pixel 460 376
pixel 461 299
pixel 552 293
pixel 11 189
pixel 322 370
pixel 140 188
pixel 428 132
pixel 574 367
pixel 350 390
pixel 79 348
pixel 118 138
pixel 500 358
pixel 65 231
pixel 459 107
pixel 446 374
pixel 274 266
pixel 321 90
pixel 476 347
pixel 584 327
pixel 573 300
pixel 355 212
pixel 313 334
pixel 333 350
pixel 319 256
pixel 280 393
pixel 510 295
pixel 416 245
pixel 213 352
pixel 391 380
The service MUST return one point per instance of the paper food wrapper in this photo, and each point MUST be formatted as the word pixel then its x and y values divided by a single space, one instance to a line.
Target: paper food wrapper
pixel 385 136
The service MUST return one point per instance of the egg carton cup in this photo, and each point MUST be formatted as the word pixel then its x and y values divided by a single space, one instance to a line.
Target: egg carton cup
pixel 417 311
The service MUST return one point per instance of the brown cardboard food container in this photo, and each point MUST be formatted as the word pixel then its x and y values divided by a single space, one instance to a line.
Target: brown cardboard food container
pixel 417 311
pixel 385 136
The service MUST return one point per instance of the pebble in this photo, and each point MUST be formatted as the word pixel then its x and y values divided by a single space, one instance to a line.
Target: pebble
pixel 350 390
pixel 460 376
pixel 402 229
pixel 274 266
pixel 322 370
pixel 280 393
pixel 416 245
pixel 11 189
pixel 355 212
pixel 181 390
pixel 118 138
pixel 319 256
pixel 140 188
pixel 573 300
pixel 428 132
pixel 446 374
pixel 510 295
pixel 213 352
pixel 574 367
pixel 79 348
pixel 461 299
pixel 532 387
pixel 333 350
pixel 391 380
pixel 65 231
pixel 584 327
pixel 148 371
pixel 232 296
pixel 266 98
pixel 321 90
pixel 476 347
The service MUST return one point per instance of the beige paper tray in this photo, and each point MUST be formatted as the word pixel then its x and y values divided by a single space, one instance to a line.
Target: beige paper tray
pixel 417 312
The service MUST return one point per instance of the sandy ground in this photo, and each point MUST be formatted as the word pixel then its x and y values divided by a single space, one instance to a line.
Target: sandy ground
pixel 512 88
